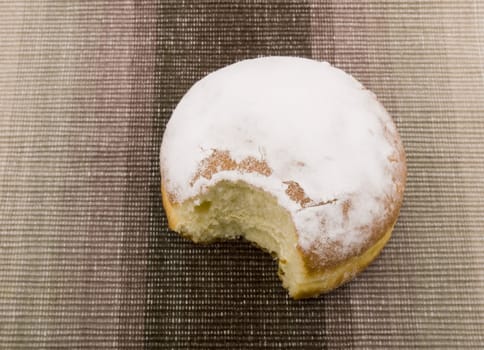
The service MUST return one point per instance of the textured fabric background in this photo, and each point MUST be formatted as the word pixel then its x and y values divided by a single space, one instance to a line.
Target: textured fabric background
pixel 86 259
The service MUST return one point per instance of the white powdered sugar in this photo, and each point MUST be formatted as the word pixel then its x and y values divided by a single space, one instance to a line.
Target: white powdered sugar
pixel 312 124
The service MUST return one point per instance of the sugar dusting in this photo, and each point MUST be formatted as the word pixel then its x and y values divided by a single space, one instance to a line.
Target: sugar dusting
pixel 311 123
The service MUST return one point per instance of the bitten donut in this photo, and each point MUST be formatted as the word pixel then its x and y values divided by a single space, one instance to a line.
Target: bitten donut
pixel 295 156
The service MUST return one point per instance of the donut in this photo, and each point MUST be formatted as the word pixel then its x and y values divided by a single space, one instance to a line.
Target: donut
pixel 295 156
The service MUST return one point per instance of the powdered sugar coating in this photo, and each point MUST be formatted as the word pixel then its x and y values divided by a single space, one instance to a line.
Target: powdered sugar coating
pixel 312 124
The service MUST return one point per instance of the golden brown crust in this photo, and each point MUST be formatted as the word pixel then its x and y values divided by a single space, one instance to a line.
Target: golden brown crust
pixel 315 262
pixel 296 193
pixel 220 160
pixel 168 205
pixel 341 273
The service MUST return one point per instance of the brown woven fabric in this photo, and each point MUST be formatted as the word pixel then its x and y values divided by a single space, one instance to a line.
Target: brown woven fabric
pixel 86 259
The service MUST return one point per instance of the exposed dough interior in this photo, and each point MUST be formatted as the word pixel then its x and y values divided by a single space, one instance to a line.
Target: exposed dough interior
pixel 230 210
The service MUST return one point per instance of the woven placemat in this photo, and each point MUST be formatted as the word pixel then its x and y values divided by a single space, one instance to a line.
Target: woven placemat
pixel 86 258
